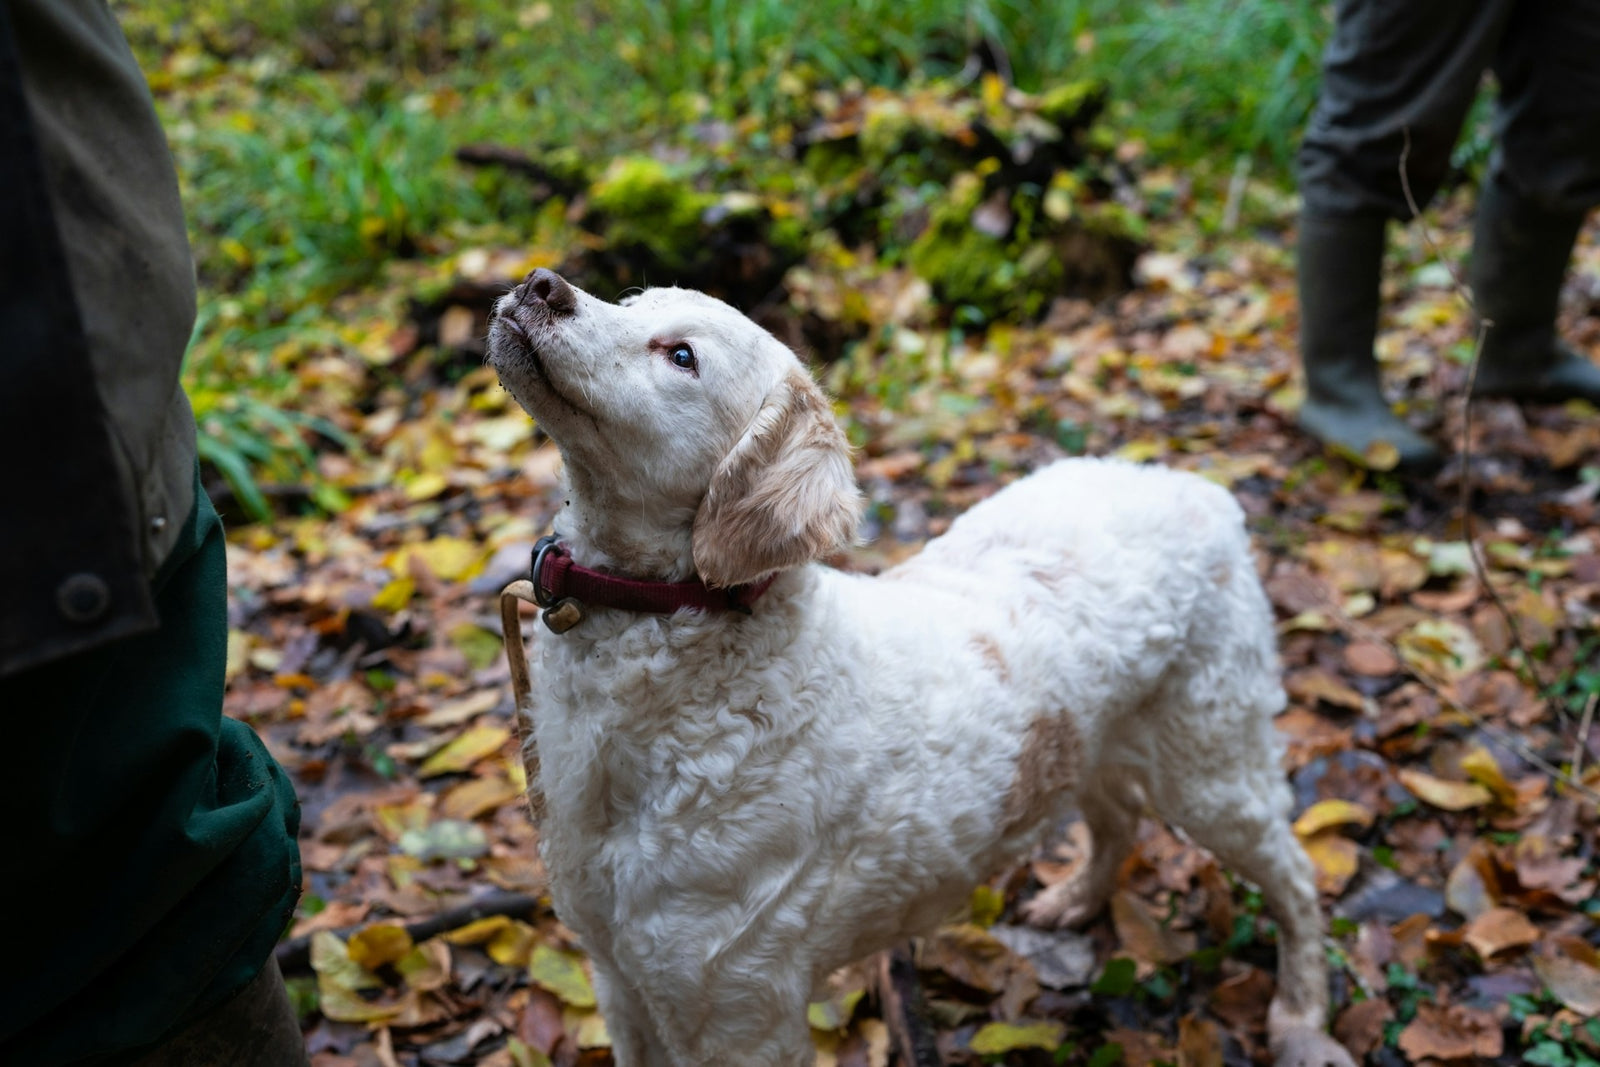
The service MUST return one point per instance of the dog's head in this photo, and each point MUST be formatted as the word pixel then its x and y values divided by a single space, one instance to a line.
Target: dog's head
pixel 684 426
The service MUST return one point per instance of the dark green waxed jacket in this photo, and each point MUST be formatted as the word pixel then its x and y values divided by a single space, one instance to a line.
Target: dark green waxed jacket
pixel 97 301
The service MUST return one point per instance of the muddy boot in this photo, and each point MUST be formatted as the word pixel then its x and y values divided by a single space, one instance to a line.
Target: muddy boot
pixel 1341 265
pixel 1519 258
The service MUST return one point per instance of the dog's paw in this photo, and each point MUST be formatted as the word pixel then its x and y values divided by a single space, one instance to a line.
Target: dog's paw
pixel 1062 905
pixel 1305 1047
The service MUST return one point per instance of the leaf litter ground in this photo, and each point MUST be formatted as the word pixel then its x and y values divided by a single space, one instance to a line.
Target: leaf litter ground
pixel 365 648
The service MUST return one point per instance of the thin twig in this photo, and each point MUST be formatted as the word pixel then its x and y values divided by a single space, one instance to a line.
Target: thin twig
pixel 1582 743
pixel 1469 525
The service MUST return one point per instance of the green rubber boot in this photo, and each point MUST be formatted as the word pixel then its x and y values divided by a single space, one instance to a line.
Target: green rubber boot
pixel 1519 258
pixel 1341 265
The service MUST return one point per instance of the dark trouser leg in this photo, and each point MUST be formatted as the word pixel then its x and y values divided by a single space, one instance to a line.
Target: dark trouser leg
pixel 256 1028
pixel 1544 177
pixel 1392 71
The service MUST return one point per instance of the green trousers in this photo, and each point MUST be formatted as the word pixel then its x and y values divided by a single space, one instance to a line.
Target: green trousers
pixel 150 841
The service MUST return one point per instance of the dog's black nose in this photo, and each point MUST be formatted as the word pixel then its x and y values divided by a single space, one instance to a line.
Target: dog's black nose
pixel 545 286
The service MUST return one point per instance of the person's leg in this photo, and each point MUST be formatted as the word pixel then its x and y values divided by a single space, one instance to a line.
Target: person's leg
pixel 1392 72
pixel 1544 177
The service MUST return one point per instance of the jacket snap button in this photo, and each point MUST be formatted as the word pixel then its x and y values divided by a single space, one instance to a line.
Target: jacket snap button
pixel 83 598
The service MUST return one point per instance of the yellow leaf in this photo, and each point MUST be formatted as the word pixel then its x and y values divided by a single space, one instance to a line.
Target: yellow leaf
pixel 525 1055
pixel 592 1032
pixel 513 945
pixel 835 1012
pixel 1481 766
pixel 478 931
pixel 238 654
pixel 426 486
pixel 452 559
pixel 1441 648
pixel 562 974
pixel 426 967
pixel 465 750
pixel 1326 814
pixel 471 799
pixel 1336 859
pixel 995 1038
pixel 1142 451
pixel 987 904
pixel 1442 794
pixel 373 946
pixel 396 595
pixel 339 980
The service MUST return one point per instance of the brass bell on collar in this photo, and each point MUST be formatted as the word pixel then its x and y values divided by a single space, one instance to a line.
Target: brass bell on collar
pixel 563 615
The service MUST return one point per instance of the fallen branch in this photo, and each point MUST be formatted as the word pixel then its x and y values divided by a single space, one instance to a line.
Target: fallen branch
pixel 294 955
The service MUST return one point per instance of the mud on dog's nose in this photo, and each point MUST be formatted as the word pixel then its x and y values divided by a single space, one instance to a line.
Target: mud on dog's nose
pixel 545 286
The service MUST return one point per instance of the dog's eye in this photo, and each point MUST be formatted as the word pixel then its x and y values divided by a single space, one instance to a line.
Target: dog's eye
pixel 683 356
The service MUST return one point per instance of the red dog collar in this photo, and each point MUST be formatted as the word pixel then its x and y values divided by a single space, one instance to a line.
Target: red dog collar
pixel 565 589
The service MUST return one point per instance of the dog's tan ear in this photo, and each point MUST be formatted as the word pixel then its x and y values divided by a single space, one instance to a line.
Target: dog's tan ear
pixel 785 495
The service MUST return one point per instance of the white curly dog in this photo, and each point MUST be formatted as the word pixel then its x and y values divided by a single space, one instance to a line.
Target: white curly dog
pixel 745 793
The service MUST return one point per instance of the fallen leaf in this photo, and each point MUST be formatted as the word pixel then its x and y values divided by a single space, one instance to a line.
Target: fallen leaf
pixel 1360 1027
pixel 1480 765
pixel 456 712
pixel 1441 649
pixel 1455 1032
pixel 373 946
pixel 1370 659
pixel 995 1038
pixel 1199 1043
pixel 1326 814
pixel 1471 888
pixel 1499 929
pixel 561 973
pixel 1336 859
pixel 472 798
pixel 1150 944
pixel 467 749
pixel 835 1012
pixel 1442 794
pixel 1573 982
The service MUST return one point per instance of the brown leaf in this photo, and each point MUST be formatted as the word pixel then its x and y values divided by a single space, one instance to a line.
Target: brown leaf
pixel 1241 1001
pixel 1360 1026
pixel 977 958
pixel 1145 940
pixel 1499 929
pixel 1352 566
pixel 1199 1042
pixel 1310 686
pixel 1573 982
pixel 1450 1033
pixel 1472 889
pixel 1370 659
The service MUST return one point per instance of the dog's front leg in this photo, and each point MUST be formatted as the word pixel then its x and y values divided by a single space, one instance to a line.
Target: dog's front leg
pixel 635 1040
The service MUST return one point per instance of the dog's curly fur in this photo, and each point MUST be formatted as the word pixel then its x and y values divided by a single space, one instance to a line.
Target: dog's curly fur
pixel 739 805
